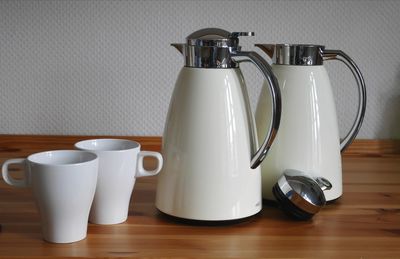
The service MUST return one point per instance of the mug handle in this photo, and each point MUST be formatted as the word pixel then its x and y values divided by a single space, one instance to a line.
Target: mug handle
pixel 6 173
pixel 329 54
pixel 140 169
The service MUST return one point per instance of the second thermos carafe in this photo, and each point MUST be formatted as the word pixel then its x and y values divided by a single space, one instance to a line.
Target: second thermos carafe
pixel 308 138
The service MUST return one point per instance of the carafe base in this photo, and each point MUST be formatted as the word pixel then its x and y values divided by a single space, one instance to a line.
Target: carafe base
pixel 196 222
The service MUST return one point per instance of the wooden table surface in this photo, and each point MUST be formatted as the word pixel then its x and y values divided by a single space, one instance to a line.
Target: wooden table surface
pixel 364 223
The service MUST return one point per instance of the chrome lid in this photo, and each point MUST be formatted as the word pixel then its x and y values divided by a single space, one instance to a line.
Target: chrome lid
pixel 300 195
pixel 294 54
pixel 211 48
pixel 214 37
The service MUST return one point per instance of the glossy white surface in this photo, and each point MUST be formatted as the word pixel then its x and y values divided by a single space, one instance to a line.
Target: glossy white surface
pixel 308 138
pixel 63 183
pixel 206 149
pixel 120 163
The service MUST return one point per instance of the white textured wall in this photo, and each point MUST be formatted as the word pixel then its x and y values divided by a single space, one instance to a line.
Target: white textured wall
pixel 106 67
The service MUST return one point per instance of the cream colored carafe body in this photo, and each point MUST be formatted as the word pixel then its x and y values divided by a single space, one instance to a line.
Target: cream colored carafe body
pixel 206 149
pixel 308 138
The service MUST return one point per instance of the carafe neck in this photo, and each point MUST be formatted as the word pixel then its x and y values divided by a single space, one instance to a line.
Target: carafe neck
pixel 294 54
pixel 207 57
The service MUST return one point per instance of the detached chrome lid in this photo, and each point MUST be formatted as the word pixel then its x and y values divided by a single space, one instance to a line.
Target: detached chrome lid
pixel 294 54
pixel 300 195
pixel 211 48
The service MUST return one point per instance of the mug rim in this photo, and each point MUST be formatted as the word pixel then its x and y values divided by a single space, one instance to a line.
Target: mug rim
pixel 38 158
pixel 86 145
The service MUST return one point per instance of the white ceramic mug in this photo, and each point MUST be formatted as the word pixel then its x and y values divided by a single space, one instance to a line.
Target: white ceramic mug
pixel 64 184
pixel 120 163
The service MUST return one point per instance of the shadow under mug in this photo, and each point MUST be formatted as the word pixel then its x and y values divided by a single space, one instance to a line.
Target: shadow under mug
pixel 120 163
pixel 63 183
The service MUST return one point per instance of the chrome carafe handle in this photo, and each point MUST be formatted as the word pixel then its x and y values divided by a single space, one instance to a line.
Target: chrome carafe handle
pixel 339 55
pixel 242 56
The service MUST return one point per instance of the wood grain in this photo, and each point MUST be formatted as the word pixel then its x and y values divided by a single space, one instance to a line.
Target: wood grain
pixel 369 147
pixel 25 143
pixel 10 144
pixel 364 223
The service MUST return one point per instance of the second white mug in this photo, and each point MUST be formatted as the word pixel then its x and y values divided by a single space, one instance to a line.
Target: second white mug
pixel 120 163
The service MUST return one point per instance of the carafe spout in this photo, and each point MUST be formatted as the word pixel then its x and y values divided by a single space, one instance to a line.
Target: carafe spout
pixel 179 47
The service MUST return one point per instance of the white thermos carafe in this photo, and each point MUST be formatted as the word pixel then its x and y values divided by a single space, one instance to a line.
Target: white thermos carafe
pixel 308 138
pixel 210 148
